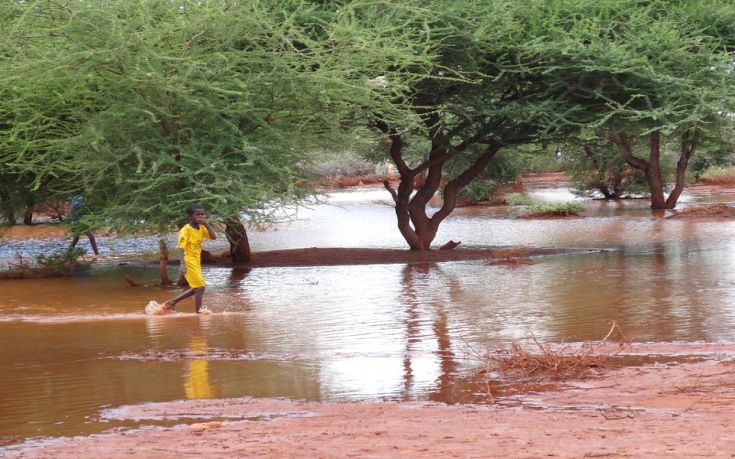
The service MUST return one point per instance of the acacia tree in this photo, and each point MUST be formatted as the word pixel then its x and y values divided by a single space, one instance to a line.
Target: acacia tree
pixel 643 76
pixel 557 71
pixel 470 107
pixel 196 101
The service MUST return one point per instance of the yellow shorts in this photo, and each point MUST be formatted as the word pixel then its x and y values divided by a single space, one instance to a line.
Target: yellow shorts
pixel 194 275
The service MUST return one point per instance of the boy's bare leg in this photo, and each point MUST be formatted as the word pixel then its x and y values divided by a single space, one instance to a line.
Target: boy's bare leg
pixel 171 304
pixel 198 295
pixel 93 243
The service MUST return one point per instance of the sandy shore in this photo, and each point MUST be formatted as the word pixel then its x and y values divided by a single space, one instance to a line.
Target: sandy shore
pixel 683 409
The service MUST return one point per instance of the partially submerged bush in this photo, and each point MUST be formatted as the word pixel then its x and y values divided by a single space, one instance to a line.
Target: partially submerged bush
pixel 518 199
pixel 561 209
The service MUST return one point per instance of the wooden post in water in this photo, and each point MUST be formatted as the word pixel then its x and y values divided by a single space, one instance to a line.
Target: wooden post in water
pixel 163 261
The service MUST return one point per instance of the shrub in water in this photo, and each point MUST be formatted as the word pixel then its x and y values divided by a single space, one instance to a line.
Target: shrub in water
pixel 518 199
pixel 556 209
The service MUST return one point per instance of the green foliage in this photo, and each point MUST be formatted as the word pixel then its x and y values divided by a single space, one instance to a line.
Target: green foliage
pixel 598 168
pixel 503 171
pixel 148 106
pixel 555 209
pixel 628 69
pixel 518 199
pixel 478 190
pixel 716 150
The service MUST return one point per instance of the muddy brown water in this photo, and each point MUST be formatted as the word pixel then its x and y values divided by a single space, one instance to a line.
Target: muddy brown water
pixel 74 348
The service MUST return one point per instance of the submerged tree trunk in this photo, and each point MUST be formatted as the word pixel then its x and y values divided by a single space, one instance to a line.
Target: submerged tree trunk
pixel 163 261
pixel 652 167
pixel 653 174
pixel 238 239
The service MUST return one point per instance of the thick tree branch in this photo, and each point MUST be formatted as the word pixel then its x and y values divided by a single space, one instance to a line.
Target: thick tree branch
pixel 623 144
pixel 391 190
pixel 688 146
pixel 451 190
pixel 395 148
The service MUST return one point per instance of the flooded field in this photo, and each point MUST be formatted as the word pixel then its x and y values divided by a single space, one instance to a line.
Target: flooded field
pixel 75 348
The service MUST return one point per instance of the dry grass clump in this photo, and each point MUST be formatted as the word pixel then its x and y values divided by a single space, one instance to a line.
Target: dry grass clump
pixel 553 363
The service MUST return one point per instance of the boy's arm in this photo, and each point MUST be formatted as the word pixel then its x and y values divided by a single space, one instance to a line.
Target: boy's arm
pixel 183 237
pixel 182 265
pixel 212 234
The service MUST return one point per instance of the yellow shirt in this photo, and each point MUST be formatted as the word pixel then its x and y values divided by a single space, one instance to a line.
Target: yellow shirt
pixel 191 240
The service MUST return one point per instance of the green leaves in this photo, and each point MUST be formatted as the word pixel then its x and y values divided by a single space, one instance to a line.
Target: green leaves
pixel 148 106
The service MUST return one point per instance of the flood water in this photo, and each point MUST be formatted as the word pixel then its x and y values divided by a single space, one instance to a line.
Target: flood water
pixel 72 348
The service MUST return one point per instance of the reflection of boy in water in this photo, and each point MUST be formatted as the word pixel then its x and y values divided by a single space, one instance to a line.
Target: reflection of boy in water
pixel 197 383
pixel 76 211
pixel 191 237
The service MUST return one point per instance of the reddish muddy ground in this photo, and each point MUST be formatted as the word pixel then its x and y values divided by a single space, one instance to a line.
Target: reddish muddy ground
pixel 675 410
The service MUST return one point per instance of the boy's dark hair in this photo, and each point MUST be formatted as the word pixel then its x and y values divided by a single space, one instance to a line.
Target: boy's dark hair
pixel 191 208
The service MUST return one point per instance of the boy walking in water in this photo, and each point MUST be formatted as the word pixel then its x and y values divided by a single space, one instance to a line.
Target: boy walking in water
pixel 191 237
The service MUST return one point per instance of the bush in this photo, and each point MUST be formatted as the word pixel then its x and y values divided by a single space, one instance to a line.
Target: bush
pixel 518 199
pixel 561 209
pixel 718 175
pixel 478 190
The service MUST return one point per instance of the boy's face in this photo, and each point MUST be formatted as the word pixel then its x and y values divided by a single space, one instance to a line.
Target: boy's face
pixel 198 216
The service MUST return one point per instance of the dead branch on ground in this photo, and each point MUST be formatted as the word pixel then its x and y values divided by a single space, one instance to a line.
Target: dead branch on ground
pixel 553 362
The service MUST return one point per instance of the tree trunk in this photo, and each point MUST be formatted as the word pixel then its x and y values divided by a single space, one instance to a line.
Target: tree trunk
pixel 163 261
pixel 28 215
pixel 453 187
pixel 651 168
pixel 238 239
pixel 688 145
pixel 414 223
pixel 653 174
pixel 401 197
